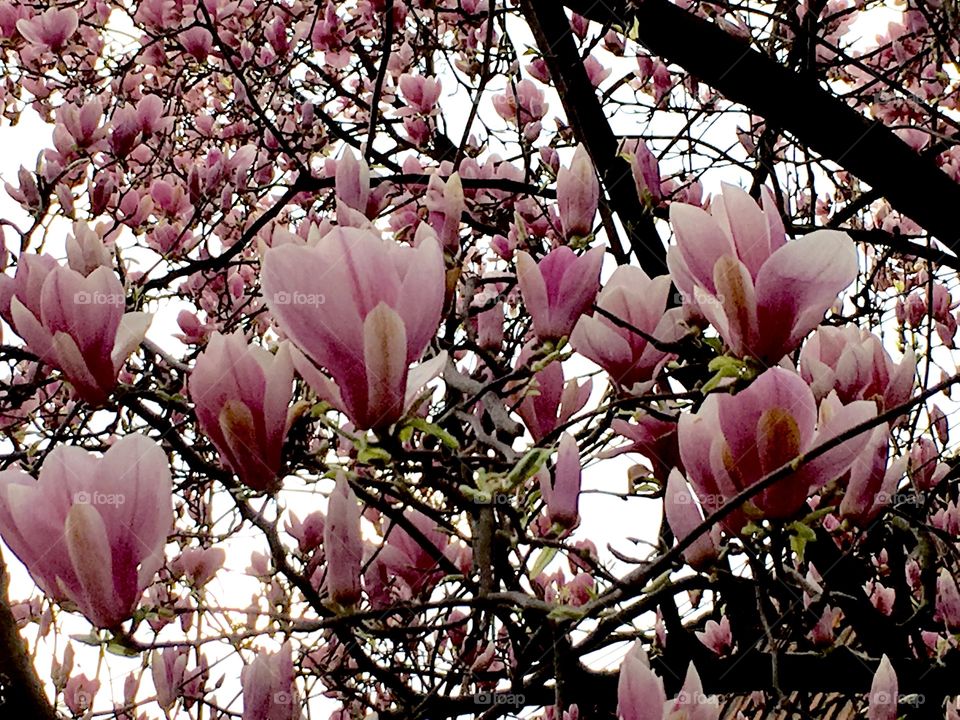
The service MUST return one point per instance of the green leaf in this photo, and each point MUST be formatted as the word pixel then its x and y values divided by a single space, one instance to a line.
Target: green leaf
pixel 115 648
pixel 369 454
pixel 406 432
pixel 527 467
pixel 543 559
pixel 566 612
pixel 725 367
pixel 319 409
pixel 800 535
pixel 434 430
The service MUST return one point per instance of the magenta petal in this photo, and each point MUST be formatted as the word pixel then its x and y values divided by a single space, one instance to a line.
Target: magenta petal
pixel 701 241
pixel 798 284
pixel 684 515
pixel 748 225
pixel 740 415
pixel 834 463
pixel 385 344
pixel 91 555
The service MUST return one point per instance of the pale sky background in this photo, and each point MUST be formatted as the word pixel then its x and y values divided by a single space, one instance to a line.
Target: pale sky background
pixel 604 519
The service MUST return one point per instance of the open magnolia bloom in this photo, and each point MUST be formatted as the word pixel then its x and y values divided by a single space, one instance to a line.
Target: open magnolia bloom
pixel 362 308
pixel 72 322
pixel 641 696
pixel 269 687
pixel 242 394
pixel 639 302
pixel 733 441
pixel 559 289
pixel 853 362
pixel 91 530
pixel 735 268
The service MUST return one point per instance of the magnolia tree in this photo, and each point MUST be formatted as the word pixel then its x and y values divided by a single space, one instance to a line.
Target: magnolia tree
pixel 452 358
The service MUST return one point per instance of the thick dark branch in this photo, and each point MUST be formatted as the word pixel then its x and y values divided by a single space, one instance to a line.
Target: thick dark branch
pixel 914 185
pixel 21 693
pixel 550 27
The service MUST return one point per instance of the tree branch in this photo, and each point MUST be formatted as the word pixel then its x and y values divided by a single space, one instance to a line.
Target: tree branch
pixel 914 185
pixel 21 693
pixel 550 27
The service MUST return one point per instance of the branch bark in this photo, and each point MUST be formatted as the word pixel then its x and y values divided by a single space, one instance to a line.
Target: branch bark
pixel 21 693
pixel 550 27
pixel 912 184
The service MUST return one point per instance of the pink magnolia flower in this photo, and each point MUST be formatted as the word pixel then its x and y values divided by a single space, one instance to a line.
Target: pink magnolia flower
pixel 596 71
pixel 26 285
pixel 645 168
pixel 762 294
pixel 717 636
pixel 199 565
pixel 559 289
pixel 197 41
pixel 578 192
pixel 561 491
pixel 362 308
pixel 640 302
pixel 884 693
pixel 342 544
pixel 86 250
pixel 79 694
pixel 403 567
pixel 953 709
pixel 167 668
pixel 125 131
pixel 925 469
pixel 242 394
pixel 691 702
pixel 551 401
pixel 352 189
pixel 684 515
pixel 521 104
pixel 269 690
pixel 74 323
pixel 733 441
pixel 488 322
pixel 872 482
pixel 854 363
pixel 651 436
pixel 91 530
pixel 640 693
pixel 445 206
pixel 51 29
pixel 948 600
pixel 939 424
pixel 539 71
pixel 307 532
pixel 824 632
pixel 421 93
pixel 79 127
